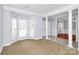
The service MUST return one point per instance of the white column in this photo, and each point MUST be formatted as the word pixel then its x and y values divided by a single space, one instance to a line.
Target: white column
pixel 70 29
pixel 78 29
pixel 55 27
pixel 46 27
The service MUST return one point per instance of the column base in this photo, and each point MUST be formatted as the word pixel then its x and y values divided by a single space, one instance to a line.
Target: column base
pixel 70 46
pixel 78 49
pixel 47 38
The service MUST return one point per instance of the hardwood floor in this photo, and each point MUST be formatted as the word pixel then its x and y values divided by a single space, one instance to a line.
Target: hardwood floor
pixel 38 47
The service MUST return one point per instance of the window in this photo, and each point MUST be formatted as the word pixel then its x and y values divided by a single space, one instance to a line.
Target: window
pixel 32 28
pixel 14 28
pixel 21 27
pixel 22 24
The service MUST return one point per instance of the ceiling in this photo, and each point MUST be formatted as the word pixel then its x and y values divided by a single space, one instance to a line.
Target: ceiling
pixel 38 8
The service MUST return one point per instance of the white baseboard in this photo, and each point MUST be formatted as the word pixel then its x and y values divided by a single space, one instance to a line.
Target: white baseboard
pixel 78 49
pixel 8 44
pixel 1 49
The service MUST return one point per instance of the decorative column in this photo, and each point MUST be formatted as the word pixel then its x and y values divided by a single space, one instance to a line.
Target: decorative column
pixel 46 27
pixel 55 27
pixel 78 29
pixel 70 29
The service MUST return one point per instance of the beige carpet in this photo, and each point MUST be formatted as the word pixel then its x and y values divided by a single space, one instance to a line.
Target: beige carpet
pixel 38 47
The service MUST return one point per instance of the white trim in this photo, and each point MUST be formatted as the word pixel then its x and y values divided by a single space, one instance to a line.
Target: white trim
pixel 78 49
pixel 22 11
pixel 63 9
pixel 46 27
pixel 1 49
pixel 8 44
pixel 18 39
pixel 1 27
pixel 70 29
pixel 55 26
pixel 78 29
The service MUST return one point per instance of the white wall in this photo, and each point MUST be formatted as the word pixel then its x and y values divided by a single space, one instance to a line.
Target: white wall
pixel 1 40
pixel 39 27
pixel 6 26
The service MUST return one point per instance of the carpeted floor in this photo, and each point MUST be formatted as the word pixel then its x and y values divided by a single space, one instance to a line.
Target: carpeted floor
pixel 38 47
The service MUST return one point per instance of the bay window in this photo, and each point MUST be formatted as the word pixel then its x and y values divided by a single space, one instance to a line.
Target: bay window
pixel 14 28
pixel 32 28
pixel 22 27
